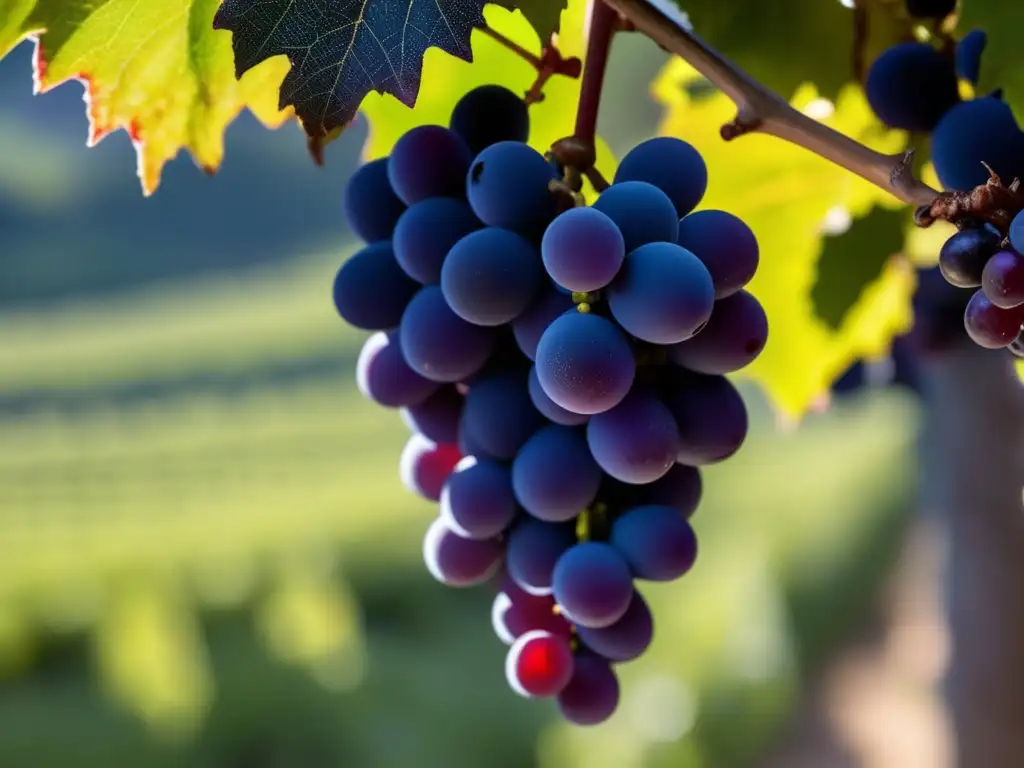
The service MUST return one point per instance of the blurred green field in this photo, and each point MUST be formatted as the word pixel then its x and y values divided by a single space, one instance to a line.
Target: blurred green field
pixel 228 555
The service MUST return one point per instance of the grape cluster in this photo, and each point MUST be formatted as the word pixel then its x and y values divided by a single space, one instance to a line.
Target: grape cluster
pixel 562 369
pixel 979 257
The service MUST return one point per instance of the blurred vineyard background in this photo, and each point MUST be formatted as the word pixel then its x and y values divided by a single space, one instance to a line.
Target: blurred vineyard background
pixel 207 559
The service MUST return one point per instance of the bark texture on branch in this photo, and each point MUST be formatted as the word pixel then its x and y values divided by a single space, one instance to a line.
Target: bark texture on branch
pixel 972 470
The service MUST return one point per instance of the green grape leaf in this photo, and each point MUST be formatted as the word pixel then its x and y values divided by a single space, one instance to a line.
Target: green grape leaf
pixel 155 69
pixel 1001 64
pixel 340 52
pixel 851 261
pixel 446 79
pixel 786 194
pixel 785 43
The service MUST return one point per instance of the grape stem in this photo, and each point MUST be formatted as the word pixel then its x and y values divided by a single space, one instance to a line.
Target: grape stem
pixel 763 111
pixel 548 64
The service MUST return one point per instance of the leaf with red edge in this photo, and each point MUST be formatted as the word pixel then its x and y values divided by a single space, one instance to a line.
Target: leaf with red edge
pixel 156 69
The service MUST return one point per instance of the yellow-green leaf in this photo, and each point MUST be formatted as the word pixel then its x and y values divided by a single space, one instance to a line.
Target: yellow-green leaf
pixel 785 194
pixel 1001 61
pixel 446 79
pixel 156 69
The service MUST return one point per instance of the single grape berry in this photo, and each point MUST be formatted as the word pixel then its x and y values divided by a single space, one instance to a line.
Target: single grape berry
pixel 642 212
pixel 656 542
pixel 428 161
pixel 1003 279
pixel 515 612
pixel 592 695
pixel 477 501
pixel 592 584
pixel 425 466
pixel 427 231
pixel 672 165
pixel 626 639
pixel 507 186
pixel 637 441
pixel 383 376
pixel 963 256
pixel 437 417
pixel 725 244
pixel 732 338
pixel 973 133
pixel 990 326
pixel 911 86
pixel 554 475
pixel 532 550
pixel 583 250
pixel 458 562
pixel 437 343
pixel 539 664
pixel 489 114
pixel 1017 233
pixel 371 206
pixel 371 291
pixel 968 55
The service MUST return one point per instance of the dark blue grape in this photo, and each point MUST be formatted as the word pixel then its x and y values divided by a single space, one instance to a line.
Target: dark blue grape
pixel 711 417
pixel 548 408
pixel 725 244
pixel 1003 279
pixel 592 584
pixel 663 294
pixel 733 337
pixel 963 256
pixel 585 363
pixel 371 291
pixel 477 502
pixel 507 187
pixel 592 695
pixel 489 114
pixel 491 276
pixel 428 161
pixel 532 549
pixel 911 86
pixel 990 326
pixel 384 377
pixel 438 416
pixel 968 55
pixel 583 250
pixel 427 231
pixel 499 414
pixel 974 132
pixel 554 476
pixel 642 212
pixel 657 542
pixel 531 324
pixel 458 562
pixel 371 206
pixel 438 344
pixel 1017 233
pixel 636 441
pixel 681 488
pixel 425 466
pixel 626 639
pixel 672 165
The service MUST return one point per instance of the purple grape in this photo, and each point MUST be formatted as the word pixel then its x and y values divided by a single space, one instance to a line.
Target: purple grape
pixel 663 294
pixel 438 344
pixel 642 212
pixel 428 161
pixel 911 86
pixel 515 612
pixel 583 250
pixel 548 408
pixel 371 291
pixel 507 186
pixel 711 417
pixel 458 562
pixel 990 326
pixel 425 466
pixel 626 639
pixel 438 416
pixel 680 488
pixel 636 441
pixel 656 542
pixel 592 695
pixel 532 549
pixel 1003 279
pixel 499 414
pixel 585 363
pixel 732 339
pixel 726 246
pixel 489 114
pixel 477 502
pixel 982 130
pixel 554 476
pixel 1017 233
pixel 963 256
pixel 427 231
pixel 531 324
pixel 371 207
pixel 672 165
pixel 491 276
pixel 383 376
pixel 592 584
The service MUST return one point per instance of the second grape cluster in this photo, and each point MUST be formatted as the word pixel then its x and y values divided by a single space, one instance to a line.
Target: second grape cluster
pixel 562 369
